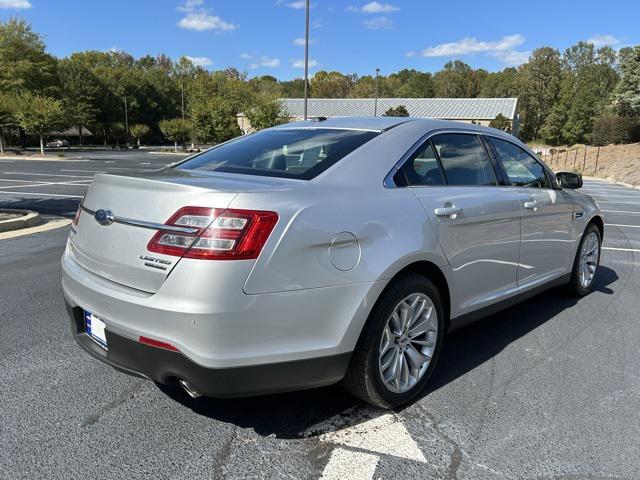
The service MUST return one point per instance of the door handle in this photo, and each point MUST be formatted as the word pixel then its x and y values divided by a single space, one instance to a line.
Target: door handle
pixel 448 211
pixel 532 205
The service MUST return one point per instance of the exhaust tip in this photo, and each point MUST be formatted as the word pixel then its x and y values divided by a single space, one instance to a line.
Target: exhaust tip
pixel 189 389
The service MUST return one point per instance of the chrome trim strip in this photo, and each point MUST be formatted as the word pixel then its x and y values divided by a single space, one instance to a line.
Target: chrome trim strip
pixel 149 225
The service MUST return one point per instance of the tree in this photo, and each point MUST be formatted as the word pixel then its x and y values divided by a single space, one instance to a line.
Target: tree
pixel 25 64
pixel 139 130
pixel 455 80
pixel 7 116
pixel 500 122
pixel 266 113
pixel 176 130
pixel 39 114
pixel 399 111
pixel 539 83
pixel 330 85
pixel 82 93
pixel 627 93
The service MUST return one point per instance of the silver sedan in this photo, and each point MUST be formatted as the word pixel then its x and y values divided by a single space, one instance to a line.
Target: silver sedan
pixel 318 252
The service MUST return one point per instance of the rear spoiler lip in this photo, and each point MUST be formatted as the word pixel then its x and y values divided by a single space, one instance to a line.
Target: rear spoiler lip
pixel 144 224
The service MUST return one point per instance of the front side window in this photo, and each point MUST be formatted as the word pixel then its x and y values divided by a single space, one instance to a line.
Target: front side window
pixel 292 153
pixel 522 169
pixel 464 159
pixel 421 169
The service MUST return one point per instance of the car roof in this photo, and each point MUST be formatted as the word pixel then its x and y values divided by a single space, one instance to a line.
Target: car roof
pixel 380 124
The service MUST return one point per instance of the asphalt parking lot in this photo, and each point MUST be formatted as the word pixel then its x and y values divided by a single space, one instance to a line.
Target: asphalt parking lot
pixel 547 389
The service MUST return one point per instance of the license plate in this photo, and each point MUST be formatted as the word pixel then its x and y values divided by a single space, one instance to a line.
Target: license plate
pixel 95 329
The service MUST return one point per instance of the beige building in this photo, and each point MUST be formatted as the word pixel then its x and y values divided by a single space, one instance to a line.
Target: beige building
pixel 467 110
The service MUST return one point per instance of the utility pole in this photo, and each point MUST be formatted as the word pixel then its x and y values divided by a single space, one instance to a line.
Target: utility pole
pixel 375 104
pixel 306 63
pixel 126 122
pixel 182 94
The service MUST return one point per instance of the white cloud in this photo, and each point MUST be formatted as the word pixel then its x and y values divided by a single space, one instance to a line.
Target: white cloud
pixel 300 41
pixel 16 4
pixel 300 63
pixel 201 21
pixel 263 61
pixel 200 61
pixel 411 54
pixel 374 7
pixel 503 49
pixel 380 23
pixel 298 5
pixel 603 40
pixel 191 5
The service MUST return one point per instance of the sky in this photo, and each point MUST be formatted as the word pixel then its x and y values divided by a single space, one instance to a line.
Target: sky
pixel 266 37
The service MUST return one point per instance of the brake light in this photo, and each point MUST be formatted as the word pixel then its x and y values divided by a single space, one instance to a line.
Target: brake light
pixel 219 234
pixel 76 217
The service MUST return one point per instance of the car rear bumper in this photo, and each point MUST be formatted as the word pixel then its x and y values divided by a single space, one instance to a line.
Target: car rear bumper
pixel 167 367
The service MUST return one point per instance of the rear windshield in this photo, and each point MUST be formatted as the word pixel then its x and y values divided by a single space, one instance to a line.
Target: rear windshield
pixel 294 153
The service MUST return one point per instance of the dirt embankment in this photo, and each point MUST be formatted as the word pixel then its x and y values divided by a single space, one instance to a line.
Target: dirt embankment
pixel 614 162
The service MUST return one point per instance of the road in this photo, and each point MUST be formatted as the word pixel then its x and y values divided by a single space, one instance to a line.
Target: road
pixel 547 389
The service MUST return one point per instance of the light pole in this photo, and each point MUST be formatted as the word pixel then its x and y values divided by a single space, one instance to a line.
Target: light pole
pixel 375 104
pixel 126 122
pixel 306 62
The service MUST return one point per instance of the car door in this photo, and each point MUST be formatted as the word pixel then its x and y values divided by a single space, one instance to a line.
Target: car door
pixel 475 218
pixel 547 216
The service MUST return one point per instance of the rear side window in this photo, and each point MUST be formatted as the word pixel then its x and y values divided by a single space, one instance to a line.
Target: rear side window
pixel 292 153
pixel 464 159
pixel 522 169
pixel 420 170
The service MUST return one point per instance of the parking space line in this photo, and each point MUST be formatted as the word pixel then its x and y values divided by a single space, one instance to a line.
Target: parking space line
pixel 40 194
pixel 21 181
pixel 88 171
pixel 622 249
pixel 620 225
pixel 47 174
pixel 73 183
pixel 620 211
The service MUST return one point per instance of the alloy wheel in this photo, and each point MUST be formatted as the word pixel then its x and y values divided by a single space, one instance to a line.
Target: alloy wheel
pixel 408 342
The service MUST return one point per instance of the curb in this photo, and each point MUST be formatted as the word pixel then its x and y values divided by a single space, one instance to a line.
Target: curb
pixel 51 224
pixel 29 219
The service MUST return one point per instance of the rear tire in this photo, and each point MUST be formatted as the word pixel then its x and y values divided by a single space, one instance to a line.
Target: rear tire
pixel 586 263
pixel 399 345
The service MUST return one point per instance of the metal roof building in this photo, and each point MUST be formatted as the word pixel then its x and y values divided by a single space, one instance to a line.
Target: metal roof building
pixel 468 110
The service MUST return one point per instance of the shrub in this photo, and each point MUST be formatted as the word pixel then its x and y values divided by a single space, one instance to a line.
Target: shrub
pixel 612 128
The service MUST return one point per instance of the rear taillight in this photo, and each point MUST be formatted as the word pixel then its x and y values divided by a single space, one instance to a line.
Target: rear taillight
pixel 76 217
pixel 218 234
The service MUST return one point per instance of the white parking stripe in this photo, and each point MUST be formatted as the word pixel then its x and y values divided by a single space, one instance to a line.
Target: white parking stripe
pixel 620 211
pixel 624 203
pixel 620 225
pixel 73 183
pixel 88 171
pixel 622 249
pixel 40 194
pixel 345 463
pixel 46 174
pixel 21 181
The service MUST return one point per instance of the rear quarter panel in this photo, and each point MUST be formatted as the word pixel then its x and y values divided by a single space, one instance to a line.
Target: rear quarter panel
pixel 389 226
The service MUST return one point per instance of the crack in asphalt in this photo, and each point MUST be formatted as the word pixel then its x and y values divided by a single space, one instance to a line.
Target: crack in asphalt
pixel 113 404
pixel 222 456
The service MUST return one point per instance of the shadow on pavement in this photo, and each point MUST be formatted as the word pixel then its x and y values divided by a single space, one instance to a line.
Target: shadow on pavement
pixel 64 207
pixel 313 412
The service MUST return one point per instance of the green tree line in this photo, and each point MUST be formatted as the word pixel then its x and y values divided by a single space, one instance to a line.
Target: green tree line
pixel 581 95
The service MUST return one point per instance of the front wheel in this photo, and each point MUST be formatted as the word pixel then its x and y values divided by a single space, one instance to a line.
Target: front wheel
pixel 586 262
pixel 399 345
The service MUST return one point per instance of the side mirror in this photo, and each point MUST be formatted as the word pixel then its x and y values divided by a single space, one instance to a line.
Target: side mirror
pixel 569 180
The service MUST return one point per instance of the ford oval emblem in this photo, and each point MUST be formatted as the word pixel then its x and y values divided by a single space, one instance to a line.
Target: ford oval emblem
pixel 104 217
